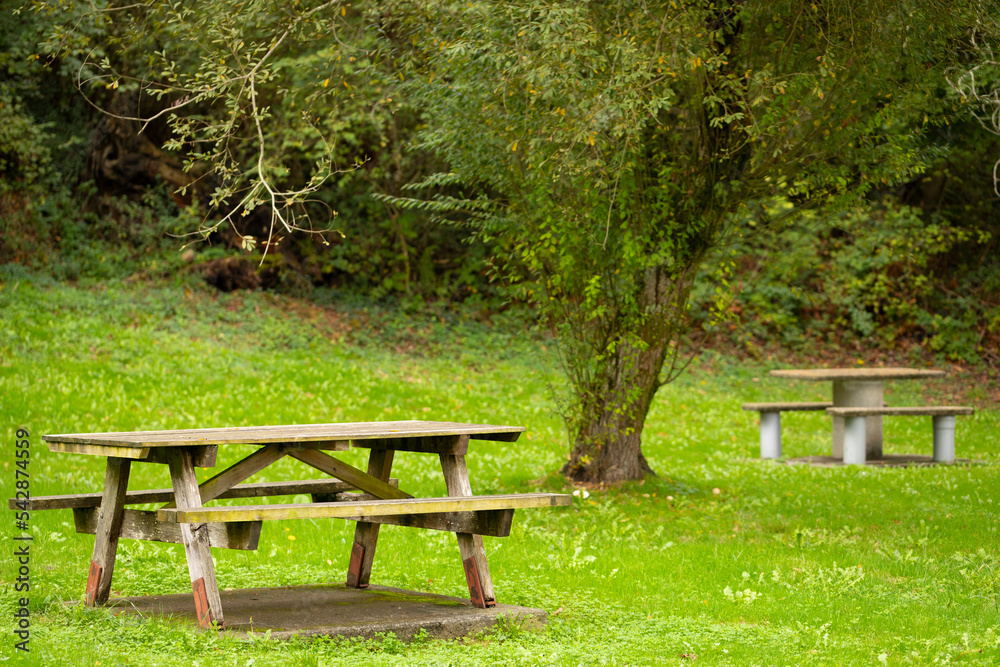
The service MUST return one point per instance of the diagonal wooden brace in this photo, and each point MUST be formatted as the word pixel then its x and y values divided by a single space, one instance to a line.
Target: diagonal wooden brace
pixel 212 488
pixel 377 486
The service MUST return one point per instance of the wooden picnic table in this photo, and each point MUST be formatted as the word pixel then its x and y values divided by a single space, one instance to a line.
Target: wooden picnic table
pixel 858 388
pixel 187 520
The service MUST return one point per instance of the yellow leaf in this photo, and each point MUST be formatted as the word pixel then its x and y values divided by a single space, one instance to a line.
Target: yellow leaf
pixel 343 11
pixel 327 81
pixel 514 147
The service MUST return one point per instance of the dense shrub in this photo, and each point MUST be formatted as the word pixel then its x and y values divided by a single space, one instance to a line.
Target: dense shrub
pixel 52 144
pixel 920 265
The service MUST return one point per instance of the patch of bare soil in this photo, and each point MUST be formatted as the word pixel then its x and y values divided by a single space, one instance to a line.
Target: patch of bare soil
pixel 332 324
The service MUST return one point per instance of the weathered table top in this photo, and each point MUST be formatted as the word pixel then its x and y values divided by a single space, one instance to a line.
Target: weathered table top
pixel 869 374
pixel 262 435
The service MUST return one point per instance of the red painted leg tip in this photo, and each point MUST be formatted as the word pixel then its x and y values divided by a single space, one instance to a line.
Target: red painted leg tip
pixel 93 581
pixel 354 579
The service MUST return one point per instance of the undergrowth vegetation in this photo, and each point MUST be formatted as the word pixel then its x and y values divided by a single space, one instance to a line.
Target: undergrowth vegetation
pixel 84 196
pixel 884 278
pixel 721 559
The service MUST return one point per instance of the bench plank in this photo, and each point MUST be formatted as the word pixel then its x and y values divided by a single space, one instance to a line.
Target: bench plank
pixel 141 525
pixel 363 508
pixel 856 374
pixel 916 411
pixel 253 490
pixel 495 523
pixel 786 407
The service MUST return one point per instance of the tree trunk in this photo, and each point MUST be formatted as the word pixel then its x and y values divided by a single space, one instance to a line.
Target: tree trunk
pixel 607 447
pixel 123 160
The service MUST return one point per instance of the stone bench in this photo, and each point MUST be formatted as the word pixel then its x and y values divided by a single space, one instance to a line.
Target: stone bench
pixel 770 423
pixel 943 417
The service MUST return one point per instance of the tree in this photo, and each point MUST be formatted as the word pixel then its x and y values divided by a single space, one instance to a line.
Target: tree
pixel 978 82
pixel 622 143
pixel 609 147
pixel 285 126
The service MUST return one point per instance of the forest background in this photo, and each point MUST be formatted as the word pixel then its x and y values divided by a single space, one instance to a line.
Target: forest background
pixel 908 272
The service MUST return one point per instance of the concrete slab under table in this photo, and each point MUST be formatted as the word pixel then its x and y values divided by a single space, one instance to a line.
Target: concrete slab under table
pixel 337 610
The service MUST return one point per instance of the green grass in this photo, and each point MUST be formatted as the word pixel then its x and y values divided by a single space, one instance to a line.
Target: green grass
pixel 785 565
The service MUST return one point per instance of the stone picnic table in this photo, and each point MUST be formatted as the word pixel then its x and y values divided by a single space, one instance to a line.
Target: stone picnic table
pixel 368 497
pixel 858 388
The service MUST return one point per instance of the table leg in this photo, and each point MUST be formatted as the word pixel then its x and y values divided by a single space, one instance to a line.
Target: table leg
pixel 854 440
pixel 207 603
pixel 858 394
pixel 109 526
pixel 944 438
pixel 477 570
pixel 366 534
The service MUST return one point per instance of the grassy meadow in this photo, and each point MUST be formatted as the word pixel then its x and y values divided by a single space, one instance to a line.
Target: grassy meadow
pixel 721 560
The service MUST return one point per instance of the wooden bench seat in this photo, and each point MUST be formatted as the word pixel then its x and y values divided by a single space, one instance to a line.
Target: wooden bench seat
pixel 252 490
pixel 363 510
pixel 770 423
pixel 943 418
pixel 904 411
pixel 244 535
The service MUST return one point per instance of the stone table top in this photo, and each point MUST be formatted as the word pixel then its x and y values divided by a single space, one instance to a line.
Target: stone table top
pixel 869 374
